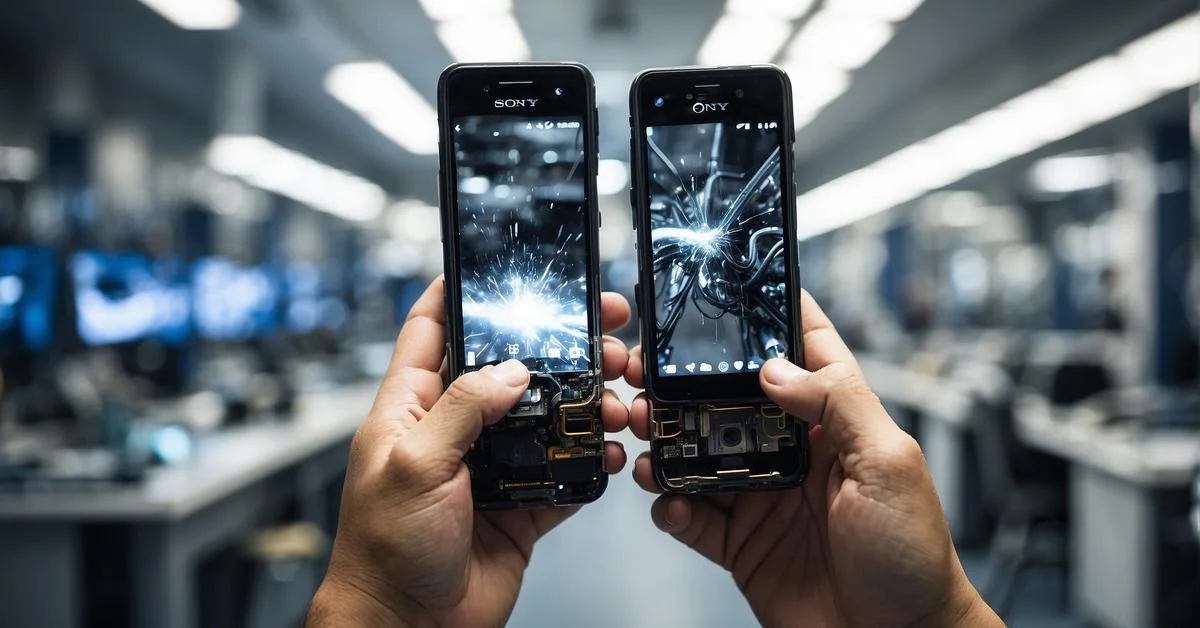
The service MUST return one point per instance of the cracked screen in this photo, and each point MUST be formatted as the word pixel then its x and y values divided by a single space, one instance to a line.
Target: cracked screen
pixel 720 301
pixel 522 245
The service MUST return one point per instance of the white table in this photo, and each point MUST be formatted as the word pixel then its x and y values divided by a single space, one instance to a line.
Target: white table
pixel 176 514
pixel 1116 474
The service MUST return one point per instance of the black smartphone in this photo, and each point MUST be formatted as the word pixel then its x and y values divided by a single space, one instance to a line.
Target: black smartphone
pixel 520 230
pixel 718 291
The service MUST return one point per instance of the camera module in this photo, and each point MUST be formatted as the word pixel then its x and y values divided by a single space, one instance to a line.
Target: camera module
pixel 558 91
pixel 731 437
pixel 658 102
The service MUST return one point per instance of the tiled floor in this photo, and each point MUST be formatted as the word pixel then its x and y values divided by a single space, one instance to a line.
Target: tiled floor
pixel 609 566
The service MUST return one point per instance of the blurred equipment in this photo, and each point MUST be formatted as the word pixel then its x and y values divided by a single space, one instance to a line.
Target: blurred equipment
pixel 28 279
pixel 233 302
pixel 126 297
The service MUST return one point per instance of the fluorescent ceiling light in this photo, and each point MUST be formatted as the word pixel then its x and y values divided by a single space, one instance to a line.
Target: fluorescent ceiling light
pixel 388 102
pixel 887 10
pixel 1168 58
pixel 782 9
pixel 266 165
pixel 444 10
pixel 486 38
pixel 1071 173
pixel 198 15
pixel 612 175
pixel 840 41
pixel 18 163
pixel 478 31
pixel 743 40
pixel 1098 91
pixel 814 87
pixel 412 220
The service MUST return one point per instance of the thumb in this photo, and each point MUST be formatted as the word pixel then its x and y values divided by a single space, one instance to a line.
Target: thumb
pixel 836 397
pixel 472 401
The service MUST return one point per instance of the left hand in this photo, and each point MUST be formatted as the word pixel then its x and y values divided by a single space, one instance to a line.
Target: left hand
pixel 410 549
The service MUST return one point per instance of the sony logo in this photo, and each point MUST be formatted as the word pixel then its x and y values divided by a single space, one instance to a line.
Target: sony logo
pixel 509 103
pixel 702 107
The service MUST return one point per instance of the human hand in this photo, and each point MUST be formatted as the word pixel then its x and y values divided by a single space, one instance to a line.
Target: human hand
pixel 410 550
pixel 863 542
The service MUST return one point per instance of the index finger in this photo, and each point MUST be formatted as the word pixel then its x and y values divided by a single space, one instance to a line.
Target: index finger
pixel 822 343
pixel 413 373
pixel 614 311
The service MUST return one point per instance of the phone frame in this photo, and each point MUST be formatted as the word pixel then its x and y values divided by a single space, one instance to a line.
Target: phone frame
pixel 728 387
pixel 451 105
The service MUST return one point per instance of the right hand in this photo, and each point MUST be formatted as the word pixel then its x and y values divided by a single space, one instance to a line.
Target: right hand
pixel 863 542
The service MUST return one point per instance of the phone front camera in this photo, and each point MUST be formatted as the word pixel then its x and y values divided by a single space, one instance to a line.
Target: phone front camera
pixel 739 93
pixel 558 91
pixel 658 102
pixel 487 88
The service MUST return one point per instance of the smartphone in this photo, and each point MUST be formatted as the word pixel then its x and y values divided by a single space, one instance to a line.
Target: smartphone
pixel 520 229
pixel 718 289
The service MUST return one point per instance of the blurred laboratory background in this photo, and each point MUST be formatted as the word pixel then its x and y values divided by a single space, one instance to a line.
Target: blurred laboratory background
pixel 215 215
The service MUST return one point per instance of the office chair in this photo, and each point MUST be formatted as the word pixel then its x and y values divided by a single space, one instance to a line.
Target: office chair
pixel 1027 490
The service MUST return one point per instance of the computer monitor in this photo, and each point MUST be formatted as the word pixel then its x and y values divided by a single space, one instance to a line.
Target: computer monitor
pixel 28 277
pixel 232 302
pixel 127 297
pixel 312 303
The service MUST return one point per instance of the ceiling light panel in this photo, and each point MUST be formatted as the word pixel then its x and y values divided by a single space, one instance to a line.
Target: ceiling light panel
pixel 885 10
pixel 388 102
pixel 484 39
pixel 840 41
pixel 742 40
pixel 478 31
pixel 1101 90
pixel 271 167
pixel 782 9
pixel 445 10
pixel 198 15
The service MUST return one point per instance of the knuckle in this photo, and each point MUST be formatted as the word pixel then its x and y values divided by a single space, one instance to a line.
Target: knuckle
pixel 842 380
pixel 904 451
pixel 403 456
pixel 469 388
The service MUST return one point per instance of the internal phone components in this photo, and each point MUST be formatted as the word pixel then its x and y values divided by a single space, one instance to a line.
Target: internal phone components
pixel 703 445
pixel 549 447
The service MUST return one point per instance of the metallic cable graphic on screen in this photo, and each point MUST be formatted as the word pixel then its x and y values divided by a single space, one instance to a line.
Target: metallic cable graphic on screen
pixel 717 241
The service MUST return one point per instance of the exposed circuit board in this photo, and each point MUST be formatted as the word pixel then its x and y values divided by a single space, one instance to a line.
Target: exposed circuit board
pixel 548 450
pixel 702 447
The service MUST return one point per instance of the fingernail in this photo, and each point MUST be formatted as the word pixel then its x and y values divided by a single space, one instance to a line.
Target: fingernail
pixel 511 373
pixel 779 371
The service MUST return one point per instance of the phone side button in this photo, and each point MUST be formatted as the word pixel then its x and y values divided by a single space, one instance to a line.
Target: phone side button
pixel 633 207
pixel 637 299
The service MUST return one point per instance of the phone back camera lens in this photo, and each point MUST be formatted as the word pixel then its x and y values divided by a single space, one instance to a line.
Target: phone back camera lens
pixel 731 437
pixel 658 102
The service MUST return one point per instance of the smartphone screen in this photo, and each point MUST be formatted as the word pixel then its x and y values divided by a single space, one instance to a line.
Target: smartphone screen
pixel 717 231
pixel 522 254
pixel 715 181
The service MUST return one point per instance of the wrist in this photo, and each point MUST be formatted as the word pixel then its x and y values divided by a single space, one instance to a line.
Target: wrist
pixel 964 608
pixel 338 603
